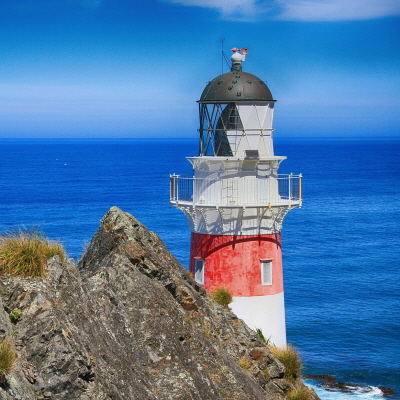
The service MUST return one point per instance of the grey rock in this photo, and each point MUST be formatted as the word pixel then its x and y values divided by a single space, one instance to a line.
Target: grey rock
pixel 130 323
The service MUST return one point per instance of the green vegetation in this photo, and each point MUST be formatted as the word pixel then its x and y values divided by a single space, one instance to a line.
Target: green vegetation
pixel 261 336
pixel 25 253
pixel 290 359
pixel 7 357
pixel 299 394
pixel 16 315
pixel 222 296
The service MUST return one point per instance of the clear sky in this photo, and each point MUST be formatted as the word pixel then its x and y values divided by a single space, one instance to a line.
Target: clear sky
pixel 135 68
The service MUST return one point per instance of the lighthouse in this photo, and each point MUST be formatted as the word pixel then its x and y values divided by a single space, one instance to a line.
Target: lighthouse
pixel 236 201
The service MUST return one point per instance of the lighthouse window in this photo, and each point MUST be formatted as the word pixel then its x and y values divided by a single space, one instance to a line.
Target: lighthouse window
pixel 228 121
pixel 266 272
pixel 199 271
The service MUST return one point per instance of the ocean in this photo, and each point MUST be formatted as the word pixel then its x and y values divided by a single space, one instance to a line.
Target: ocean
pixel 341 250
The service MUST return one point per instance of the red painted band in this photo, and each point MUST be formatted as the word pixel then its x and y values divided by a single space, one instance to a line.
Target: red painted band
pixel 235 262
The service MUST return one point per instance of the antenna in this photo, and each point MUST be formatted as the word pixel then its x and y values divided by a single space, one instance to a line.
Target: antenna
pixel 222 40
pixel 223 55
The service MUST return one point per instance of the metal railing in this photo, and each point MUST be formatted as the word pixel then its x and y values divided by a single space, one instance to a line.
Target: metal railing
pixel 238 191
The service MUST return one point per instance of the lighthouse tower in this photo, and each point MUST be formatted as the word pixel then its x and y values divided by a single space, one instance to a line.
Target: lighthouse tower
pixel 236 201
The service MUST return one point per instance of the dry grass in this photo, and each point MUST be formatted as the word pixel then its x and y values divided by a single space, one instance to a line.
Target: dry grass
pixel 25 253
pixel 245 363
pixel 7 357
pixel 222 296
pixel 289 357
pixel 299 394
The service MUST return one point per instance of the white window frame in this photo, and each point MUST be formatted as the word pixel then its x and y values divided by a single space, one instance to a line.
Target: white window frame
pixel 264 280
pixel 199 271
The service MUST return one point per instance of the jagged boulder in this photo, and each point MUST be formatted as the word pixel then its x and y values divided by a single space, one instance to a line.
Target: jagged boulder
pixel 129 323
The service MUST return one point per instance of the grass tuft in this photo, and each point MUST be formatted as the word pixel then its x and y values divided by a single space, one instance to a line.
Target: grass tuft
pixel 222 296
pixel 289 357
pixel 299 394
pixel 25 253
pixel 7 357
pixel 261 336
pixel 245 363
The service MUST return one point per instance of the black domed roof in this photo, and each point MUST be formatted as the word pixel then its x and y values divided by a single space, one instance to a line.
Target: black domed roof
pixel 235 86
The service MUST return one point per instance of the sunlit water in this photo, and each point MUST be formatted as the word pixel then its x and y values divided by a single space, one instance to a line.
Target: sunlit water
pixel 341 250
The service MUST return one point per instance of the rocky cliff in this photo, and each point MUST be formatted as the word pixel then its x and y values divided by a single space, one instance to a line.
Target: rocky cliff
pixel 129 323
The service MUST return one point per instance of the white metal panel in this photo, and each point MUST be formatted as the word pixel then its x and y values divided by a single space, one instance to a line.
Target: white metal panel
pixel 242 146
pixel 247 190
pixel 199 222
pixel 244 112
pixel 252 138
pixel 252 116
pixel 268 114
pixel 236 220
pixel 230 192
pixel 263 190
pixel 264 145
pixel 234 138
pixel 263 169
pixel 231 220
pixel 213 220
pixel 207 191
pixel 263 312
pixel 255 117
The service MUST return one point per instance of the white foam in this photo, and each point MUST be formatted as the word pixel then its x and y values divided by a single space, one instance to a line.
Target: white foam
pixel 367 392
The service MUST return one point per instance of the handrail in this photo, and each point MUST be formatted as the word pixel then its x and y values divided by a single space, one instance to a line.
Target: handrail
pixel 285 189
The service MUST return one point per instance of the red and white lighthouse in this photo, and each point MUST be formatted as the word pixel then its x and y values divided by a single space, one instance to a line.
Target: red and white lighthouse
pixel 236 201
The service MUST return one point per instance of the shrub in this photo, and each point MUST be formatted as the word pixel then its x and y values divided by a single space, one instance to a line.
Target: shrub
pixel 299 394
pixel 16 314
pixel 289 357
pixel 7 357
pixel 25 253
pixel 222 296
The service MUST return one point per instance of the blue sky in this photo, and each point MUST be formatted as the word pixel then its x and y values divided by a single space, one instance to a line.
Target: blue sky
pixel 135 68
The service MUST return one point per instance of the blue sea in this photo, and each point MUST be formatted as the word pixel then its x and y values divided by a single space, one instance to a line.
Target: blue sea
pixel 341 249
